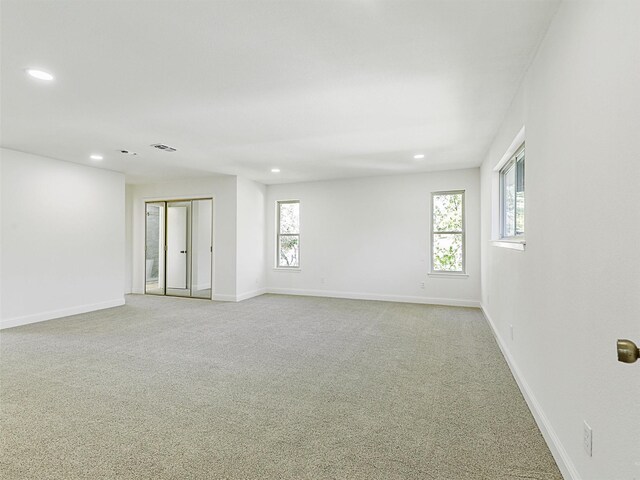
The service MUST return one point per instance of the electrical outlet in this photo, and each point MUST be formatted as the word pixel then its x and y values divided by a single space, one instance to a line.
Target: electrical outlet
pixel 422 285
pixel 588 439
pixel 321 280
pixel 511 331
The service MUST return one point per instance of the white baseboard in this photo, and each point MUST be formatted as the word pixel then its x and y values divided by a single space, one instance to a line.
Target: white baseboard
pixel 566 466
pixel 64 312
pixel 247 295
pixel 222 297
pixel 376 296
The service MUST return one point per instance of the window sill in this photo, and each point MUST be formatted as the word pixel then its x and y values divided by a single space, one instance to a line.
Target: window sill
pixel 511 244
pixel 287 269
pixel 448 275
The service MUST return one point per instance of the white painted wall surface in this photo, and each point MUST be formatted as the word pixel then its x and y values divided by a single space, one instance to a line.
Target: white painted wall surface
pixel 128 233
pixel 576 287
pixel 369 238
pixel 1 235
pixel 251 262
pixel 223 191
pixel 62 238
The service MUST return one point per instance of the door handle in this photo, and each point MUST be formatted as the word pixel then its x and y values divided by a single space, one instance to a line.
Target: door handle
pixel 183 251
pixel 627 351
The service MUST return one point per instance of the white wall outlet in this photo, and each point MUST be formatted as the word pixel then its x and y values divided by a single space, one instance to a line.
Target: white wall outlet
pixel 511 331
pixel 588 439
pixel 422 285
pixel 321 280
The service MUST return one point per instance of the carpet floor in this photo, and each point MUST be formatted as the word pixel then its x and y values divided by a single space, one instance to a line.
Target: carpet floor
pixel 273 387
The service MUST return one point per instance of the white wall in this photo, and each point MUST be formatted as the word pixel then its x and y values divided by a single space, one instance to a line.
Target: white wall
pixel 251 262
pixel 369 238
pixel 1 229
pixel 128 248
pixel 223 191
pixel 62 238
pixel 576 287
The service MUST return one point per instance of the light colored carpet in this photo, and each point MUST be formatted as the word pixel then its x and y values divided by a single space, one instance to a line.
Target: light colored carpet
pixel 272 387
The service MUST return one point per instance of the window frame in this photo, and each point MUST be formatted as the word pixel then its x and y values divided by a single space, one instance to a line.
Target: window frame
pixel 279 234
pixel 512 162
pixel 463 232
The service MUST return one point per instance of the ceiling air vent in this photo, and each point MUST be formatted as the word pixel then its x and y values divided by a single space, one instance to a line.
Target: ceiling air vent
pixel 162 146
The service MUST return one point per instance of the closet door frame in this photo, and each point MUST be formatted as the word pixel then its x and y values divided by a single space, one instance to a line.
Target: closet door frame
pixel 163 248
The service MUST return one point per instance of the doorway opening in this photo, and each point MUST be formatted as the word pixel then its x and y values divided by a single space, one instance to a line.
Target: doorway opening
pixel 179 247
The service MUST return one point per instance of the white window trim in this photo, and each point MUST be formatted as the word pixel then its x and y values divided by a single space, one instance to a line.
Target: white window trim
pixel 513 243
pixel 284 268
pixel 443 273
pixel 448 274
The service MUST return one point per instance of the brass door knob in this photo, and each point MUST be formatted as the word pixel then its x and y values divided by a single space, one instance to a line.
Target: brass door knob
pixel 627 351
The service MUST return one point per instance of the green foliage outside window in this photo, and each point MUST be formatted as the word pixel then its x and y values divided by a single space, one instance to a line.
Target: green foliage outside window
pixel 447 235
pixel 288 234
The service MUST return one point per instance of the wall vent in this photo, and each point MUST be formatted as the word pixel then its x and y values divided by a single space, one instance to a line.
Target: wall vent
pixel 163 147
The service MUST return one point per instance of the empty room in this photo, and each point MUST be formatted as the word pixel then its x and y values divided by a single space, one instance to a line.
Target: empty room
pixel 320 239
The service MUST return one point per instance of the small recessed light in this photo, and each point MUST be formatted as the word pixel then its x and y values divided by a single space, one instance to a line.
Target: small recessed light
pixel 39 74
pixel 418 156
pixel 275 170
pixel 96 157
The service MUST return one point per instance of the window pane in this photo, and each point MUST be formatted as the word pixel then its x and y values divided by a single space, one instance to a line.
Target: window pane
pixel 447 213
pixel 509 201
pixel 519 222
pixel 447 252
pixel 290 218
pixel 288 251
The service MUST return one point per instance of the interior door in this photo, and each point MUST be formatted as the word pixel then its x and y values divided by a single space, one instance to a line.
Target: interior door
pixel 177 246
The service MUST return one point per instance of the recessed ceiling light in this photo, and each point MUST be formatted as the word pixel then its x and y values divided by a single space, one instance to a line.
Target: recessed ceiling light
pixel 275 170
pixel 39 74
pixel 96 157
pixel 418 156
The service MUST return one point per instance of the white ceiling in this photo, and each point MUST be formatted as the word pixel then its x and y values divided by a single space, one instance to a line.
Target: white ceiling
pixel 320 89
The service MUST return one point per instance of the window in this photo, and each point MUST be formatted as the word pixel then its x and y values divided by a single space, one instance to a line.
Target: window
pixel 512 197
pixel 288 237
pixel 447 232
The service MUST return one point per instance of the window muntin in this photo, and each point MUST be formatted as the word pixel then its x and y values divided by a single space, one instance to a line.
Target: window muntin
pixel 512 197
pixel 447 232
pixel 288 236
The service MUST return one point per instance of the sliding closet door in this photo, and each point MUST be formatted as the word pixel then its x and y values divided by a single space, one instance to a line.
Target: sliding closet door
pixel 154 248
pixel 178 248
pixel 201 248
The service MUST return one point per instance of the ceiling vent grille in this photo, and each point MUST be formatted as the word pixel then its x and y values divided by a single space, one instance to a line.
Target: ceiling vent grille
pixel 163 147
